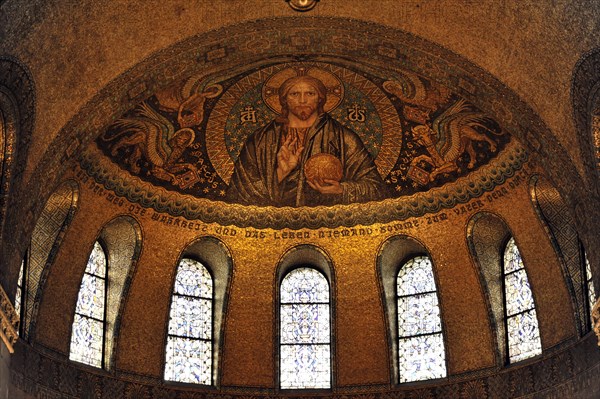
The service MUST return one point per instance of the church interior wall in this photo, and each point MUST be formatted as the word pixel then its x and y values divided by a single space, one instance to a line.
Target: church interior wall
pixel 74 68
pixel 360 321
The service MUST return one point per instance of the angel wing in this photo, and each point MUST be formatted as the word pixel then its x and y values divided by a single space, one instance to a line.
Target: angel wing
pixel 449 124
pixel 156 129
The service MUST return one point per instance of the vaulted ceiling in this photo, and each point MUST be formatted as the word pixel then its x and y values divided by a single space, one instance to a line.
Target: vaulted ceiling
pixel 92 69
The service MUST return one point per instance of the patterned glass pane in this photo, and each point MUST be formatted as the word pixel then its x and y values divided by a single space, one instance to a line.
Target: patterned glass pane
pixel 19 289
pixel 512 257
pixel 191 317
pixel 193 279
pixel 305 323
pixel 87 335
pixel 304 285
pixel 86 341
pixel 590 285
pixel 305 366
pixel 523 336
pixel 418 314
pixel 421 353
pixel 518 293
pixel 189 344
pixel 90 301
pixel 97 262
pixel 521 323
pixel 421 358
pixel 416 277
pixel 188 360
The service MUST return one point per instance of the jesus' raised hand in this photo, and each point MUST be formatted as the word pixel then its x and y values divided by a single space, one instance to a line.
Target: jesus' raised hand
pixel 288 157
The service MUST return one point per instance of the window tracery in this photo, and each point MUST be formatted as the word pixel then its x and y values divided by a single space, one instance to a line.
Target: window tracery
pixel 87 337
pixel 189 341
pixel 521 322
pixel 19 292
pixel 305 330
pixel 589 285
pixel 421 353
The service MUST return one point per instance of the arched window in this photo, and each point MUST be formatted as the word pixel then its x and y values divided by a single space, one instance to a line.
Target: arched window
pixel 522 331
pixel 589 285
pixel 421 354
pixel 17 110
pixel 189 355
pixel 45 241
pixel 87 337
pixel 20 289
pixel 102 291
pixel 561 227
pixel 305 330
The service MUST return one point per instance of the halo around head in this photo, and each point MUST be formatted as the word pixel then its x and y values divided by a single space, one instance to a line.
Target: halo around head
pixel 335 88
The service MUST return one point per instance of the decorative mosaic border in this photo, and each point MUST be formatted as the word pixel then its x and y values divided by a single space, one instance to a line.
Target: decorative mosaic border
pixel 483 180
pixel 569 373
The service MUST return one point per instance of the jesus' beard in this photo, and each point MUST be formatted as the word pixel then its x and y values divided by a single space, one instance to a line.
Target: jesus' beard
pixel 303 112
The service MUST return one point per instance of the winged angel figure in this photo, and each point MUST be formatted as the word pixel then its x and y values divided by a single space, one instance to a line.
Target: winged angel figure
pixel 452 133
pixel 153 138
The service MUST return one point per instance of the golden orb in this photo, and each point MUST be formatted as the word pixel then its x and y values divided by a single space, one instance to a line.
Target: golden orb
pixel 321 167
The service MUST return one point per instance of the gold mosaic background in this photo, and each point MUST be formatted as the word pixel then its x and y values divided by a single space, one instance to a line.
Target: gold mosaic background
pixel 74 68
pixel 360 322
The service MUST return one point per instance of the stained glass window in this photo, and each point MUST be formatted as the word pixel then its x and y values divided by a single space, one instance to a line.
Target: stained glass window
pixel 521 320
pixel 189 341
pixel 421 354
pixel 87 336
pixel 19 293
pixel 590 287
pixel 305 350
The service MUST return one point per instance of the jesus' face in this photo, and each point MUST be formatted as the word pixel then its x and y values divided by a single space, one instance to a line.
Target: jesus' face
pixel 302 100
